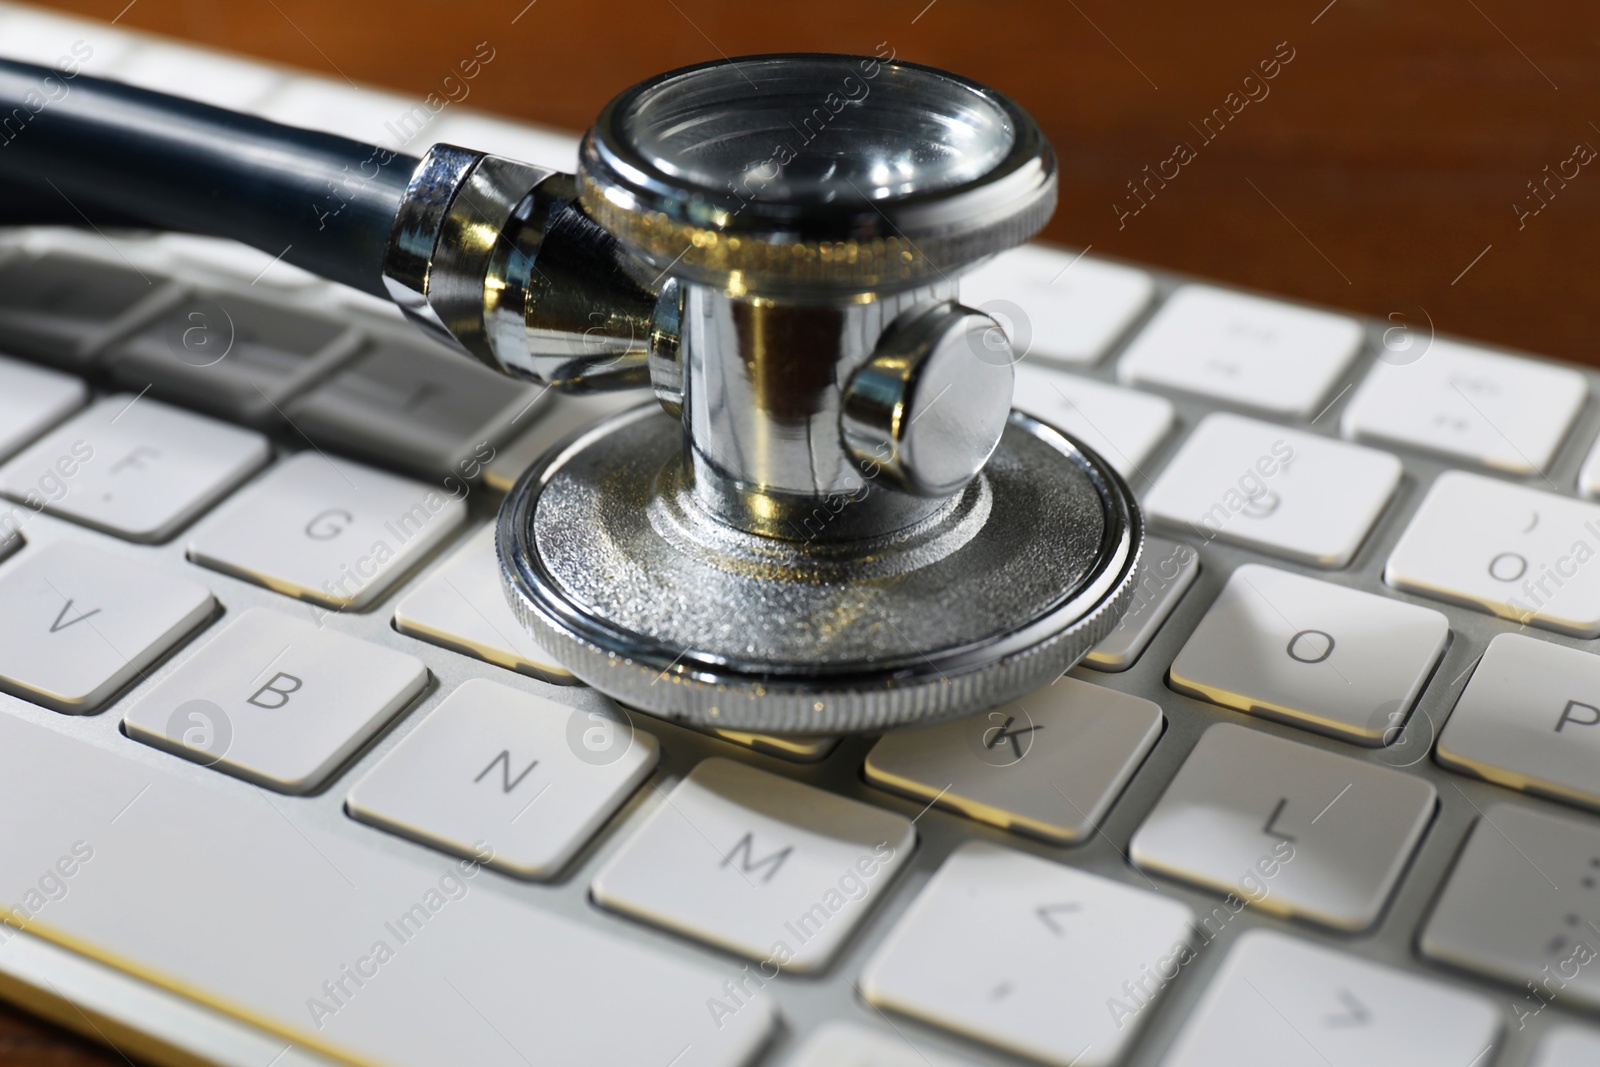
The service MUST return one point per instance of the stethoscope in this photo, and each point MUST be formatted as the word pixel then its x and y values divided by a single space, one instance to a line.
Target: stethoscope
pixel 831 519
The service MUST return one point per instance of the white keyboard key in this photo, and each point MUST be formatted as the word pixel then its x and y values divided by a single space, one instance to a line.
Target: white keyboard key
pixel 395 122
pixel 209 255
pixel 1120 424
pixel 33 399
pixel 1292 829
pixel 1282 1002
pixel 1072 307
pixel 1246 350
pixel 1286 492
pixel 1035 957
pixel 1166 573
pixel 1515 552
pixel 514 140
pixel 276 700
pixel 545 422
pixel 133 467
pixel 1326 657
pixel 80 624
pixel 279 919
pixel 531 779
pixel 231 356
pixel 68 44
pixel 1589 476
pixel 1049 765
pixel 413 405
pixel 327 530
pixel 1520 907
pixel 61 307
pixel 1524 720
pixel 797 748
pixel 1501 411
pixel 215 78
pixel 461 606
pixel 758 865
pixel 1568 1046
pixel 845 1044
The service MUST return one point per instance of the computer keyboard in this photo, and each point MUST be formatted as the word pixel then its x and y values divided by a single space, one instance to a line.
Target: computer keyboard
pixel 284 782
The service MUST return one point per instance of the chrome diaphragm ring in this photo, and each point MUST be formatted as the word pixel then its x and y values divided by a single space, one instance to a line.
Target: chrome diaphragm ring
pixel 609 568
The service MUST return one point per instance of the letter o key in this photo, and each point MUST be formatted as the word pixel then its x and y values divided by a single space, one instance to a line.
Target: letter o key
pixel 1508 567
pixel 1310 646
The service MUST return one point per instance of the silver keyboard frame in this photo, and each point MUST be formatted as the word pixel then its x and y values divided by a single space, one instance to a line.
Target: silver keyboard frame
pixel 143 1020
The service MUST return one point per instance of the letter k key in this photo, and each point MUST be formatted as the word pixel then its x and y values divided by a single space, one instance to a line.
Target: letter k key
pixel 1004 732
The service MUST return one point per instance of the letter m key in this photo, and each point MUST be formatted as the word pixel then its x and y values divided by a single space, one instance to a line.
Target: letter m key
pixel 744 851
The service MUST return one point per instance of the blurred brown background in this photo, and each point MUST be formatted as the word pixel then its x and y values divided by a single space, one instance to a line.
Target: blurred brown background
pixel 1387 156
pixel 1381 172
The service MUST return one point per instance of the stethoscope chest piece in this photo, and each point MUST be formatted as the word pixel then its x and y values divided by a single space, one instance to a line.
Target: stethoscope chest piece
pixel 830 520
pixel 617 570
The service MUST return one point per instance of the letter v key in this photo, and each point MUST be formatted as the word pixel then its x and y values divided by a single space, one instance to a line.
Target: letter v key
pixel 62 622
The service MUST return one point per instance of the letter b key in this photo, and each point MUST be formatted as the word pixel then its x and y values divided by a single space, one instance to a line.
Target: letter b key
pixel 275 694
pixel 298 700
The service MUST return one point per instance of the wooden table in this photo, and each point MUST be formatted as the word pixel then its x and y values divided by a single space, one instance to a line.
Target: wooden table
pixel 1389 166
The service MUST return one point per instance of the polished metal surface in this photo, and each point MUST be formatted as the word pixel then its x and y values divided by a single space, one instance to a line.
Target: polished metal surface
pixel 815 173
pixel 837 523
pixel 470 235
pixel 566 305
pixel 763 400
pixel 408 267
pixel 617 570
pixel 493 256
pixel 931 403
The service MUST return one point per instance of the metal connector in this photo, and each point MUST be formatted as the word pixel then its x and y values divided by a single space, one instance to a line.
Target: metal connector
pixel 496 258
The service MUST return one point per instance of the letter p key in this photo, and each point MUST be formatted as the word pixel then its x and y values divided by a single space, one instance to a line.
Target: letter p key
pixel 275 694
pixel 1568 717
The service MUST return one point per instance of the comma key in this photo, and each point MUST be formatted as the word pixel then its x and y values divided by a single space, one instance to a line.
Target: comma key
pixel 1036 957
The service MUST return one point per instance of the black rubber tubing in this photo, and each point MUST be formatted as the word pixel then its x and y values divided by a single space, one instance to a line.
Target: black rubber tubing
pixel 86 151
